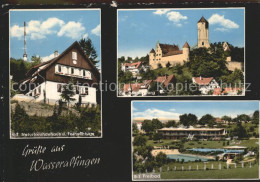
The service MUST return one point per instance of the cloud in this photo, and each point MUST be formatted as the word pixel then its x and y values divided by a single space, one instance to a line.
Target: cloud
pixel 72 30
pixel 161 11
pixel 134 109
pixel 47 58
pixel 96 30
pixel 172 109
pixel 85 36
pixel 16 31
pixel 36 29
pixel 225 24
pixel 222 29
pixel 174 16
pixel 156 113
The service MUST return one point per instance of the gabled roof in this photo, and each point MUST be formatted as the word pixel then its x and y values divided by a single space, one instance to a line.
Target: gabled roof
pixel 152 51
pixel 137 64
pixel 202 81
pixel 47 64
pixel 168 49
pixel 186 45
pixel 133 87
pixel 202 19
pixel 165 79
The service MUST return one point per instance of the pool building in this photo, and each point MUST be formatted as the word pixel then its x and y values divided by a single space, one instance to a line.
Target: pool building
pixel 200 133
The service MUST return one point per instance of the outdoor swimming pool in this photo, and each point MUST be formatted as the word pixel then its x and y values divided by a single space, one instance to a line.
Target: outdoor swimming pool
pixel 187 157
pixel 216 150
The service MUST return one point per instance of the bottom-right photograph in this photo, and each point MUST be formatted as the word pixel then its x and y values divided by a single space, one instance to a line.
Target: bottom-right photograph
pixel 195 140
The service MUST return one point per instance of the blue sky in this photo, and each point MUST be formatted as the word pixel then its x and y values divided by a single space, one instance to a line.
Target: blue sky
pixel 51 29
pixel 139 30
pixel 172 109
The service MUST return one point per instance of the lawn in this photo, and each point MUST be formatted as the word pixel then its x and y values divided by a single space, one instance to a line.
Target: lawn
pixel 233 173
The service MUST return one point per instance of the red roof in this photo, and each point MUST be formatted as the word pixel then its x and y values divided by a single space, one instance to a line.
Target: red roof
pixel 203 20
pixel 134 87
pixel 165 79
pixel 230 89
pixel 217 91
pixel 186 45
pixel 218 120
pixel 202 80
pixel 137 64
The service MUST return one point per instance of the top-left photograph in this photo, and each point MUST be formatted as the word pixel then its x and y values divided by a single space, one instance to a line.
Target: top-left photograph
pixel 55 73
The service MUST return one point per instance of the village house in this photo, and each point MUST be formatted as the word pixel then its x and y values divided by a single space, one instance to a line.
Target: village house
pixel 134 68
pixel 142 89
pixel 45 82
pixel 205 84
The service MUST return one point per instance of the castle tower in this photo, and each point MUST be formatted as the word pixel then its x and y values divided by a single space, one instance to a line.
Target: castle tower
pixel 186 51
pixel 152 58
pixel 203 33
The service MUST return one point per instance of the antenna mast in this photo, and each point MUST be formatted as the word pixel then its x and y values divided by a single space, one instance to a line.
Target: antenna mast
pixel 25 54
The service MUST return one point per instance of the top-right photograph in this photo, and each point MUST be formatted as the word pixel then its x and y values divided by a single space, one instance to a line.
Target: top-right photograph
pixel 181 52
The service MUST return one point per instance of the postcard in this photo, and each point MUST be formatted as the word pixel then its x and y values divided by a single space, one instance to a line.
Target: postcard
pixel 55 73
pixel 181 52
pixel 195 140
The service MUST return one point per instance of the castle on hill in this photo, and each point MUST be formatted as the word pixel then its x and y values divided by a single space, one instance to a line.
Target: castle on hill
pixel 164 54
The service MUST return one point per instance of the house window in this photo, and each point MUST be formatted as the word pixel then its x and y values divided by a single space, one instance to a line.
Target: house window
pixel 74 55
pixel 58 87
pixel 72 71
pixel 35 91
pixel 59 68
pixel 84 73
pixel 39 89
pixel 202 43
pixel 86 90
pixel 77 89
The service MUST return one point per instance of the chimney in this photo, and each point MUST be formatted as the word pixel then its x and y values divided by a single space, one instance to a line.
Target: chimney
pixel 200 78
pixel 56 54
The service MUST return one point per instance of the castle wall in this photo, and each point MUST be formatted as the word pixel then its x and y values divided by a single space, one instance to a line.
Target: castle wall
pixel 235 65
pixel 173 60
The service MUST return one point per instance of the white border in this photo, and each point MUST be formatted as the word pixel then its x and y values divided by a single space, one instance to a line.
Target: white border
pixel 150 9
pixel 101 118
pixel 132 166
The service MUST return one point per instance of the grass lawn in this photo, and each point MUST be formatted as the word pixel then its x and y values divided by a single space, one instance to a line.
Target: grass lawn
pixel 233 173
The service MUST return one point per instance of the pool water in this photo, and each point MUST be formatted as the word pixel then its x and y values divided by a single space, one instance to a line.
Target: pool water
pixel 187 157
pixel 216 150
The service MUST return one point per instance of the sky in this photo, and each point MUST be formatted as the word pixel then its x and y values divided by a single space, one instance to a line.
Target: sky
pixel 52 30
pixel 139 30
pixel 173 109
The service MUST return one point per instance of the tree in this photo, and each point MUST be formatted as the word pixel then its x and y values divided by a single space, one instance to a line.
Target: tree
pixel 240 131
pixel 150 126
pixel 255 118
pixel 135 129
pixel 139 140
pixel 161 158
pixel 157 136
pixel 171 123
pixel 36 60
pixel 227 119
pixel 207 119
pixel 243 118
pixel 89 49
pixel 68 93
pixel 188 119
